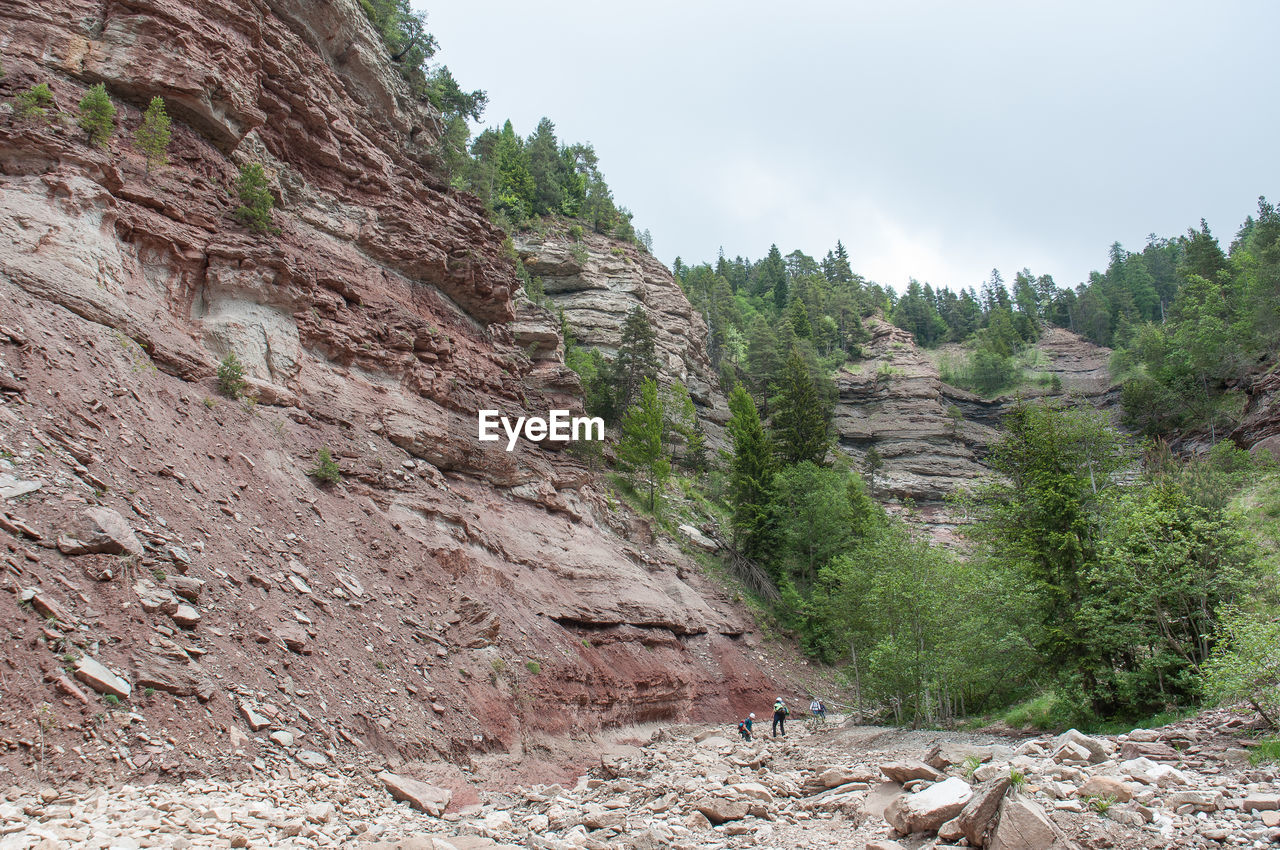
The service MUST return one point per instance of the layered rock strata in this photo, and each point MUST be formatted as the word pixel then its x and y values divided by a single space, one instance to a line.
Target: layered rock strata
pixel 444 598
pixel 597 281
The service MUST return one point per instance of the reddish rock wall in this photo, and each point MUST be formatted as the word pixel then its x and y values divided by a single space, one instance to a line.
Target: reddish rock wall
pixel 395 614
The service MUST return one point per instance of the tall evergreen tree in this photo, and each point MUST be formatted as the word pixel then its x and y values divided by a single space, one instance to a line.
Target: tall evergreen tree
pixel 637 358
pixel 153 135
pixel 801 423
pixel 751 470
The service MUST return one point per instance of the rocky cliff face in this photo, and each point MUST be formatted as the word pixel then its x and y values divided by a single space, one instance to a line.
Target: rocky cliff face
pixel 447 598
pixel 597 281
pixel 932 438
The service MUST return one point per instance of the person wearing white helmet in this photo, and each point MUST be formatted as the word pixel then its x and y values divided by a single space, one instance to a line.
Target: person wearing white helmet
pixel 780 712
pixel 744 726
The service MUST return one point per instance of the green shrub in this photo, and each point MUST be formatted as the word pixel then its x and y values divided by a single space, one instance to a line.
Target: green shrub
pixel 97 116
pixel 326 470
pixel 1101 805
pixel 111 699
pixel 256 202
pixel 533 667
pixel 575 232
pixel 231 376
pixel 35 102
pixel 149 693
pixel 1265 751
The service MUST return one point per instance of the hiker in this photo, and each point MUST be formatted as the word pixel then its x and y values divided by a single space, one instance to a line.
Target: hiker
pixel 818 710
pixel 780 712
pixel 744 727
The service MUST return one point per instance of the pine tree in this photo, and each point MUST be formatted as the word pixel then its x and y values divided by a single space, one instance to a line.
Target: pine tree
pixel 153 135
pixel 801 422
pixel 641 449
pixel 750 474
pixel 97 116
pixel 35 102
pixel 256 202
pixel 637 358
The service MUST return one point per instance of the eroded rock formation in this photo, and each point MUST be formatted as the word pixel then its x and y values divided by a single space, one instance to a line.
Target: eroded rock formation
pixel 933 438
pixel 597 281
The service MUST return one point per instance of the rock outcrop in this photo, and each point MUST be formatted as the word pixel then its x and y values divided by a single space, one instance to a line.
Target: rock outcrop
pixel 933 438
pixel 446 597
pixel 597 281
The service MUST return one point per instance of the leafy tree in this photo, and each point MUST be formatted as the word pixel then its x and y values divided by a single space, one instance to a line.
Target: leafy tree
pixel 819 512
pixel 641 449
pixel 1165 568
pixel 801 422
pixel 751 471
pixel 153 135
pixel 1245 665
pixel 97 116
pixel 255 199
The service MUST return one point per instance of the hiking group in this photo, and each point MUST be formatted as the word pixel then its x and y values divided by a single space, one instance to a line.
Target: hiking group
pixel 780 712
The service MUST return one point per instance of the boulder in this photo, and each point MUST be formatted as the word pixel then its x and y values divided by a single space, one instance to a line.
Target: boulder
pixel 1259 802
pixel 46 606
pixel 1079 745
pixel 423 797
pixel 977 819
pixel 834 777
pixel 946 753
pixel 101 679
pixel 294 638
pixel 186 617
pixel 1155 750
pixel 180 678
pixel 905 771
pixel 255 720
pixel 1106 786
pixel 1201 801
pixel 1023 825
pixel 754 790
pixel 929 809
pixel 185 586
pixel 718 810
pixel 100 530
pixel 697 538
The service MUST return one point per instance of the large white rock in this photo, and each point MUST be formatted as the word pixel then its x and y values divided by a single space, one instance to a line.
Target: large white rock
pixel 929 809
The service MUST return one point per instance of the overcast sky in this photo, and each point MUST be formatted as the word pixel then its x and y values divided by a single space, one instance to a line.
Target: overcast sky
pixel 937 139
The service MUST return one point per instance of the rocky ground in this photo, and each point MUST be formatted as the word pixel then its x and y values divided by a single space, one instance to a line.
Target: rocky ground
pixel 1186 785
